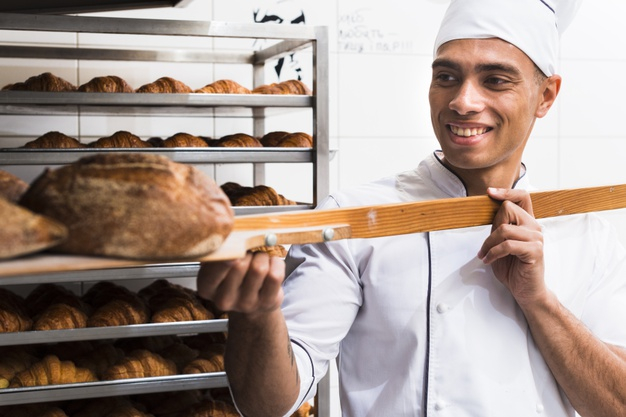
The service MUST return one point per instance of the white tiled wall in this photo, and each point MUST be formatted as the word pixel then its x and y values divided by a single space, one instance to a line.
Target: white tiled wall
pixel 380 55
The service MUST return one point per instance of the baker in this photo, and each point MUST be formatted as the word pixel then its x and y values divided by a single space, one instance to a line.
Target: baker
pixel 522 318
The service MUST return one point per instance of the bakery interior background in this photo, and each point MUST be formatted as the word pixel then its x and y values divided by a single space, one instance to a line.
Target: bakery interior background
pixel 379 73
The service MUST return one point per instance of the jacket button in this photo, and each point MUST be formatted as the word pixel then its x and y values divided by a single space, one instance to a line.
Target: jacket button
pixel 442 308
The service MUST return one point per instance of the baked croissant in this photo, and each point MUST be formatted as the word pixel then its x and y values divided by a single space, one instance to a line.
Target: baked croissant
pixel 54 307
pixel 272 139
pixel 184 140
pixel 211 359
pixel 51 371
pixel 11 186
pixel 106 84
pixel 54 140
pixel 285 87
pixel 262 195
pixel 296 140
pixel 180 354
pixel 223 87
pixel 212 408
pixel 42 82
pixel 114 305
pixel 120 139
pixel 140 363
pixel 14 316
pixel 12 361
pixel 100 359
pixel 165 85
pixel 237 140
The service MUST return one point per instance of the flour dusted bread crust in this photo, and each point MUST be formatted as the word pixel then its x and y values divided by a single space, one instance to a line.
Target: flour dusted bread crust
pixel 106 84
pixel 138 206
pixel 24 232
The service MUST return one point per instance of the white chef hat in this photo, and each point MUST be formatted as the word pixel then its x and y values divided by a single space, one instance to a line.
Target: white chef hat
pixel 534 26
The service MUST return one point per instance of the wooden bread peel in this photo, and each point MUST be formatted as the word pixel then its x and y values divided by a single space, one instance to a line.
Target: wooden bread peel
pixel 313 226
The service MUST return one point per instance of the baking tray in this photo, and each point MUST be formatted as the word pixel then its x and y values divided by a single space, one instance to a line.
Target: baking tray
pixel 114 332
pixel 132 386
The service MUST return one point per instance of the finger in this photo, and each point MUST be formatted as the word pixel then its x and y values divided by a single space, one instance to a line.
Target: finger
pixel 511 213
pixel 227 293
pixel 210 275
pixel 271 294
pixel 519 197
pixel 253 281
pixel 521 242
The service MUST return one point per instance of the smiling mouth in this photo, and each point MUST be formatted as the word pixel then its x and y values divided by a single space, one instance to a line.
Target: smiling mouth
pixel 468 132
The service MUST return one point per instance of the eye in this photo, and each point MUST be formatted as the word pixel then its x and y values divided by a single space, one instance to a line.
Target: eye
pixel 444 78
pixel 496 81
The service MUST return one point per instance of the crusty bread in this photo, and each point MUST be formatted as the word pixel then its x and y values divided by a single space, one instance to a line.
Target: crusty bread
pixel 165 85
pixel 106 84
pixel 11 186
pixel 25 232
pixel 54 140
pixel 223 87
pixel 42 82
pixel 138 206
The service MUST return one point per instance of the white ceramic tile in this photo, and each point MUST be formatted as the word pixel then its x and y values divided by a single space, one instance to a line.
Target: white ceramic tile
pixel 294 181
pixel 597 32
pixel 591 101
pixel 366 159
pixel 592 161
pixel 383 95
pixel 541 158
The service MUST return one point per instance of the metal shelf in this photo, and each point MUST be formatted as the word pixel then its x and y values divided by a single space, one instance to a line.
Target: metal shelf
pixel 114 332
pixel 23 156
pixel 122 387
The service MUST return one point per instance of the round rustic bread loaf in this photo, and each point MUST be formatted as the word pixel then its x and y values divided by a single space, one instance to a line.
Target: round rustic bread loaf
pixel 138 206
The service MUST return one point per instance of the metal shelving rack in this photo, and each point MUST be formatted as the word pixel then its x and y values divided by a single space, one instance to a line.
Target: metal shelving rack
pixel 289 38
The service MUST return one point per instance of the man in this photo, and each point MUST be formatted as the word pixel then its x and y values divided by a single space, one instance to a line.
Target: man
pixel 518 319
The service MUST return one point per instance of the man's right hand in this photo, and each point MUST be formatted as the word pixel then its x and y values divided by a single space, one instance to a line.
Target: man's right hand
pixel 251 285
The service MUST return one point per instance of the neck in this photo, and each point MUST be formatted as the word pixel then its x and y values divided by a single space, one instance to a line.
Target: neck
pixel 477 181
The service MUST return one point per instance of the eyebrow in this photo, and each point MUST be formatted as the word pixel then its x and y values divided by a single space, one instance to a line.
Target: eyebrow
pixel 447 63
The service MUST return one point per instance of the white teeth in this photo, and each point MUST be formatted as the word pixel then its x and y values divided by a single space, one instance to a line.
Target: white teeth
pixel 467 132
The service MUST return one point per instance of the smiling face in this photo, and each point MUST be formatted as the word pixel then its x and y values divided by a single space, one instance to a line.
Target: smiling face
pixel 484 97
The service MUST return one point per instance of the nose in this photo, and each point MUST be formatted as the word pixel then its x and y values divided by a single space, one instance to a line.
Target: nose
pixel 468 99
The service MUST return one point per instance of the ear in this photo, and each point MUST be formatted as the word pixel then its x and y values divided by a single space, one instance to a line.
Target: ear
pixel 549 91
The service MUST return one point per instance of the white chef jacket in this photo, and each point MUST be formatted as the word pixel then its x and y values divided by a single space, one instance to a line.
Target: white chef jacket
pixel 419 326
